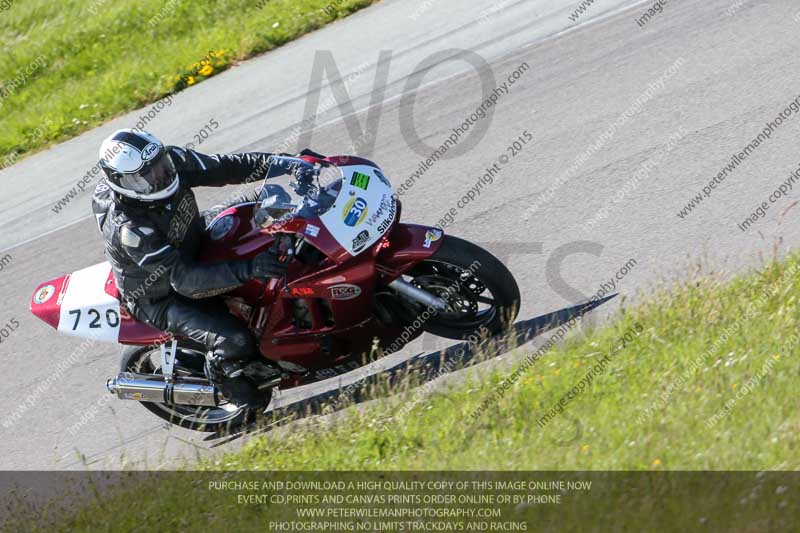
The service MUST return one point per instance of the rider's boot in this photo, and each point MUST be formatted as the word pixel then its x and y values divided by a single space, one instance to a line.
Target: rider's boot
pixel 228 377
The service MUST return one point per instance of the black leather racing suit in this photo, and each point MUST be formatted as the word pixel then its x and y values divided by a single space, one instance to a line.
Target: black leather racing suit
pixel 152 246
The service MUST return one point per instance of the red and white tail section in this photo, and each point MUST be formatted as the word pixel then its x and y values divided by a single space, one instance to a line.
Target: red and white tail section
pixel 86 304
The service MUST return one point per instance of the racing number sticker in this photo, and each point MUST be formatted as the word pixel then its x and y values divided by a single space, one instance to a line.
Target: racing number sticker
pixel 355 211
pixel 94 317
pixel 87 310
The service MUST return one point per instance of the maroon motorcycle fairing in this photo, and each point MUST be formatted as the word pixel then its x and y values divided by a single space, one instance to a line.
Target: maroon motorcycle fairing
pixel 341 330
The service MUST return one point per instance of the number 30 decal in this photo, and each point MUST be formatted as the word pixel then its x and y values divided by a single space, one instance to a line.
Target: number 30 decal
pixel 111 318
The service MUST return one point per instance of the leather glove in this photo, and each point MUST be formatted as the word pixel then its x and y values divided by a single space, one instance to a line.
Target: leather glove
pixel 268 265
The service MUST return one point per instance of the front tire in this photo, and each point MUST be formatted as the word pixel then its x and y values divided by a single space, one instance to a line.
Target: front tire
pixel 482 295
pixel 226 418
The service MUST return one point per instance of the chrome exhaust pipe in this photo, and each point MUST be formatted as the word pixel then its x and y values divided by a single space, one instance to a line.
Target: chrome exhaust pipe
pixel 144 388
pixel 415 293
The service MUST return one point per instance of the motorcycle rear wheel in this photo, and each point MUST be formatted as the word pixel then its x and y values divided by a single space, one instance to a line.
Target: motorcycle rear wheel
pixel 226 418
pixel 482 294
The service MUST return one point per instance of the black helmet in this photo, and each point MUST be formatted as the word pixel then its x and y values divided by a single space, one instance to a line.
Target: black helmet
pixel 138 166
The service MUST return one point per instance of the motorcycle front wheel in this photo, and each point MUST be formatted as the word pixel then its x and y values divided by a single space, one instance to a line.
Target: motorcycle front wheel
pixel 482 295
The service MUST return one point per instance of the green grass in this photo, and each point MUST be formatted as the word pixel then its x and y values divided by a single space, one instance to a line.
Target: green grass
pixel 650 408
pixel 84 62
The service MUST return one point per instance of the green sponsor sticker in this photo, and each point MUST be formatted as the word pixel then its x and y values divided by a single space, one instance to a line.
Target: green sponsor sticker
pixel 360 180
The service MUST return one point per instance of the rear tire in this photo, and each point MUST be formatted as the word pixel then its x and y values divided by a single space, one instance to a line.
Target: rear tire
pixel 486 298
pixel 223 419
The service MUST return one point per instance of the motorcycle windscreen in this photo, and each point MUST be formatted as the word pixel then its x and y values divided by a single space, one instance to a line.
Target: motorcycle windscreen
pixel 364 209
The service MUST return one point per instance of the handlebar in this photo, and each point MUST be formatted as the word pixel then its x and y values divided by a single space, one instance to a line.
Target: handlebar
pixel 303 171
pixel 316 196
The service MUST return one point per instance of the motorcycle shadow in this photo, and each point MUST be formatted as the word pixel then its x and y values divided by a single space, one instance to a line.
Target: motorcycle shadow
pixel 356 387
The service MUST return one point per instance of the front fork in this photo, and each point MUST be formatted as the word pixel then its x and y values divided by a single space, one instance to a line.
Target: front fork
pixel 407 246
pixel 418 295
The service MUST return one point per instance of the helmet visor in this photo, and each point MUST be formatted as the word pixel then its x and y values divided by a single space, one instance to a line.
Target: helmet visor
pixel 153 178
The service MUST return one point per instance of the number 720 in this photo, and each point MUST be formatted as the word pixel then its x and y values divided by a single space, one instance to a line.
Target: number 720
pixel 112 318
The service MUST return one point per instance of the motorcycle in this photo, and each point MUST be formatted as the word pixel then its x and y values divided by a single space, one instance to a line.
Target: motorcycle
pixel 359 284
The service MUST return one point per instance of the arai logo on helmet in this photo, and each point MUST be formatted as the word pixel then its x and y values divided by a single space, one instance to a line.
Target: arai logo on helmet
pixel 150 151
pixel 345 291
pixel 355 211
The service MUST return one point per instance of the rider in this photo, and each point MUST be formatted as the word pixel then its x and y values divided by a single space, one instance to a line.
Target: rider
pixel 148 215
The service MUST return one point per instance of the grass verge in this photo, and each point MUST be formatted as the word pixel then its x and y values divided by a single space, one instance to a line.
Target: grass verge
pixel 67 70
pixel 696 378
pixel 699 377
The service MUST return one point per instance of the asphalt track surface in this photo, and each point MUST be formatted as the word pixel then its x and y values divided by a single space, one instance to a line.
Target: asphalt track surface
pixel 707 74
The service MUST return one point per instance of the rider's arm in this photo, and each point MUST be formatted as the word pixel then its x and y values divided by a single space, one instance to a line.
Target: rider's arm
pixel 201 170
pixel 152 252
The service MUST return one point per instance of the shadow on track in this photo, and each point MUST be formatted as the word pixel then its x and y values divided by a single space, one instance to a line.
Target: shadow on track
pixel 423 366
